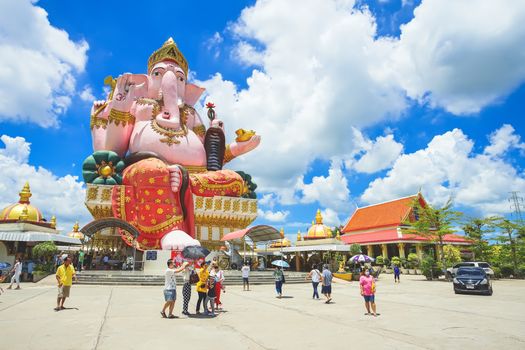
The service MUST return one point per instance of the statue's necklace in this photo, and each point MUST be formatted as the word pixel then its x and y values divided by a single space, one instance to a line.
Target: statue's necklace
pixel 171 134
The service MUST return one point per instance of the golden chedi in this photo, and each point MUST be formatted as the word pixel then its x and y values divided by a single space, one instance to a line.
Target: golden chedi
pixel 318 230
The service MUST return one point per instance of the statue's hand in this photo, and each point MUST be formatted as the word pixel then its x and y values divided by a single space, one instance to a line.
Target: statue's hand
pixel 217 123
pixel 124 93
pixel 238 148
pixel 175 177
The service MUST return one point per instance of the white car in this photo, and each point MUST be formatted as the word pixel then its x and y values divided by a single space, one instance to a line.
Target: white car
pixel 451 271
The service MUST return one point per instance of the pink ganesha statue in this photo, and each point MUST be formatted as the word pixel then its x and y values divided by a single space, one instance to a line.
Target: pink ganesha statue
pixel 169 155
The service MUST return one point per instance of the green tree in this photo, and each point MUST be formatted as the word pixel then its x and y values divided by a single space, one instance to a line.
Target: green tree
pixel 451 255
pixel 45 250
pixel 509 237
pixel 413 260
pixel 396 261
pixel 433 223
pixel 477 229
pixel 355 249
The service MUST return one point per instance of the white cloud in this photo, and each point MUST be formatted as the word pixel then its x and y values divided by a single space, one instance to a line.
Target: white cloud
pixel 330 217
pixel 502 140
pixel 449 167
pixel 248 54
pixel 329 191
pixel 273 216
pixel 87 94
pixel 39 63
pixel 53 195
pixel 268 199
pixel 213 44
pixel 462 55
pixel 320 76
pixel 378 155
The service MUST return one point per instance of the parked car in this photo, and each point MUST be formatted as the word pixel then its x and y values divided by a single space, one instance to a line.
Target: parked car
pixel 472 280
pixel 452 271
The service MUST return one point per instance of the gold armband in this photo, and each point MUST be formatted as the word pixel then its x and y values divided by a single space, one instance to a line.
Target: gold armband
pixel 118 117
pixel 228 156
pixel 97 122
pixel 199 130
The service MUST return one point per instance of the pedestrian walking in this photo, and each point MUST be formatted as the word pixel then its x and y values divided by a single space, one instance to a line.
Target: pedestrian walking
pixel 397 273
pixel 64 275
pixel 80 261
pixel 201 287
pixel 17 270
pixel 219 287
pixel 188 276
pixel 30 268
pixel 210 296
pixel 279 278
pixel 368 289
pixel 245 271
pixel 315 276
pixel 326 279
pixel 170 288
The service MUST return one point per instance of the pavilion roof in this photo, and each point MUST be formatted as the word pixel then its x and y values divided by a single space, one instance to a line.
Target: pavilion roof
pixel 386 214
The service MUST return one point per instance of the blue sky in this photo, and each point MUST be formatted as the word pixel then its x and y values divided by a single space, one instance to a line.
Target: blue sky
pixel 356 102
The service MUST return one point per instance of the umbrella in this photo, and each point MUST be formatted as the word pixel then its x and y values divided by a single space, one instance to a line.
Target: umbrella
pixel 195 252
pixel 4 265
pixel 361 258
pixel 280 263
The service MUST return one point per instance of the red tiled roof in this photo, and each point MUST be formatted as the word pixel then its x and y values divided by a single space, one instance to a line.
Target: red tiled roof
pixel 392 235
pixel 381 215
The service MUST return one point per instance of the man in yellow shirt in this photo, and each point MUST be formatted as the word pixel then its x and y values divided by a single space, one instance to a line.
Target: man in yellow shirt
pixel 65 274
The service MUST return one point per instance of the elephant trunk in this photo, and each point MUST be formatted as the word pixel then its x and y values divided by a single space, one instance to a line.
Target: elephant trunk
pixel 169 116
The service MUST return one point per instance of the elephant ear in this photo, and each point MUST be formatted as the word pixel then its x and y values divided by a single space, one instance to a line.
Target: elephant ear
pixel 141 82
pixel 192 94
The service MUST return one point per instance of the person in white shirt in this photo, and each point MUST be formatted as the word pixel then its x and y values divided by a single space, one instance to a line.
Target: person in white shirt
pixel 170 288
pixel 16 276
pixel 245 270
pixel 315 275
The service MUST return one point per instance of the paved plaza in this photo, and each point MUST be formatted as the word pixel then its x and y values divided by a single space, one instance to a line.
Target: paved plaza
pixel 415 314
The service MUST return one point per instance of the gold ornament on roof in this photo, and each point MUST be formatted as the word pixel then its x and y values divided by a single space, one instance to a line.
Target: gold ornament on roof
pixel 53 221
pixel 169 51
pixel 25 194
pixel 319 217
pixel 282 232
pixel 24 215
pixel 299 235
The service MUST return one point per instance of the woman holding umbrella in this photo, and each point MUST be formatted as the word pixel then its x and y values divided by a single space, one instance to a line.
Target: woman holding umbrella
pixel 278 277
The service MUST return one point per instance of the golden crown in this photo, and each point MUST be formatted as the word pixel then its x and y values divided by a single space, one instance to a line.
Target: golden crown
pixel 168 51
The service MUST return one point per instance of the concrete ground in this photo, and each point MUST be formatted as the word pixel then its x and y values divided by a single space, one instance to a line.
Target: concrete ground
pixel 415 314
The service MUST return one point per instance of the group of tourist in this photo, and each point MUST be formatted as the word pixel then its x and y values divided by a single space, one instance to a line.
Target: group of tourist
pixel 208 283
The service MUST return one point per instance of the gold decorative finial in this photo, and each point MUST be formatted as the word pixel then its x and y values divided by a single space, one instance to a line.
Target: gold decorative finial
pixel 299 235
pixel 25 194
pixel 24 214
pixel 76 227
pixel 319 217
pixel 282 232
pixel 169 51
pixel 337 234
pixel 53 222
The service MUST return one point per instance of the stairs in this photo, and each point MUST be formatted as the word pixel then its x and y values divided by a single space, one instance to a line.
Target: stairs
pixel 138 278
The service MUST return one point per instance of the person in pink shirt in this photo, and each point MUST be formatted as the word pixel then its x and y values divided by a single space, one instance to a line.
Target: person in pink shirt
pixel 368 289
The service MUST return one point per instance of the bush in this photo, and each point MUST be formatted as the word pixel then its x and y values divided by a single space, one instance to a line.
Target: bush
pixel 521 271
pixel 355 249
pixel 413 260
pixel 45 250
pixel 497 271
pixel 430 268
pixel 386 261
pixel 380 260
pixel 396 261
pixel 451 254
pixel 506 270
pixel 47 267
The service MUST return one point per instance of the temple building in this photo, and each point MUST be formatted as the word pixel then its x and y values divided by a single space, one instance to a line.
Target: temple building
pixel 22 226
pixel 378 228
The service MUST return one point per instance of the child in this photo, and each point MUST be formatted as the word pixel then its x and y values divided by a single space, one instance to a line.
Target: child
pixel 210 297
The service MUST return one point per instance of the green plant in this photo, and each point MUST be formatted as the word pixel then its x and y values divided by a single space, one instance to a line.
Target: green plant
pixel 386 261
pixel 506 270
pixel 45 250
pixel 430 268
pixel 355 249
pixel 396 261
pixel 451 255
pixel 380 260
pixel 46 267
pixel 413 260
pixel 497 271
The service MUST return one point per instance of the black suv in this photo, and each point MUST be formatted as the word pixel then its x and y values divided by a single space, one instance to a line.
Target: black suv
pixel 472 280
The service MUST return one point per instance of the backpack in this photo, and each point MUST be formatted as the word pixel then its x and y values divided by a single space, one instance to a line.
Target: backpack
pixel 194 278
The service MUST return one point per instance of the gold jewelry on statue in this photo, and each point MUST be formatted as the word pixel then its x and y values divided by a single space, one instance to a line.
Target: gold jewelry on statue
pixel 171 134
pixel 170 52
pixel 118 117
pixel 228 156
pixel 199 130
pixel 195 169
pixel 96 122
pixel 156 104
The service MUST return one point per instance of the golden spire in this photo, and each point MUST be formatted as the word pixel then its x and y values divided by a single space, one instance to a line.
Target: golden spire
pixel 24 214
pixel 319 217
pixel 299 235
pixel 282 232
pixel 337 234
pixel 76 227
pixel 169 51
pixel 25 194
pixel 53 222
